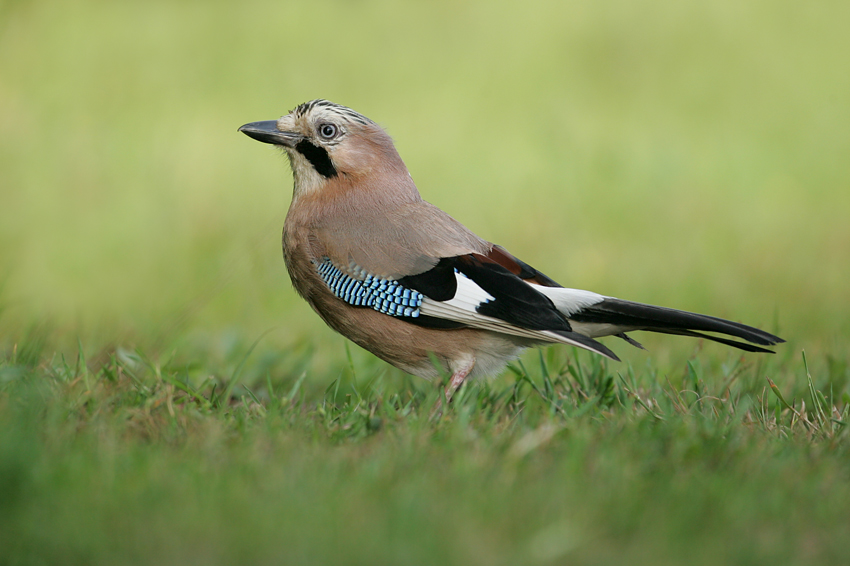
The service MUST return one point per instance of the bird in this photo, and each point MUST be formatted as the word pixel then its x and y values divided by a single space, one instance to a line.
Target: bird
pixel 406 281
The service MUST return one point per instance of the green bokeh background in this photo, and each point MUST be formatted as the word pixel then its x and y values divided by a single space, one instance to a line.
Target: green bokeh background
pixel 688 154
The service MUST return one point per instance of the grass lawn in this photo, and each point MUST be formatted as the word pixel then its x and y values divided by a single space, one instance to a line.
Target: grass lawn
pixel 165 398
pixel 560 461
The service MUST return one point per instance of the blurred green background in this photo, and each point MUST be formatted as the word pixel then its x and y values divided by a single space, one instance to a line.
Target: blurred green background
pixel 688 154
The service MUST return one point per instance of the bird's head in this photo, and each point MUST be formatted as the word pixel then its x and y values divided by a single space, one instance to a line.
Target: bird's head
pixel 327 142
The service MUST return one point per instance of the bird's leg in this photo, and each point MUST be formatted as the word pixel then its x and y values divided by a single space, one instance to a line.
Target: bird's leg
pixel 458 376
pixel 457 379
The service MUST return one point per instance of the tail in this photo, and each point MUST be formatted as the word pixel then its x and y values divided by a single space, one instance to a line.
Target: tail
pixel 616 317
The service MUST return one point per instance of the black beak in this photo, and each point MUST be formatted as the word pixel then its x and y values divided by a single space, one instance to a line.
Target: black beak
pixel 267 132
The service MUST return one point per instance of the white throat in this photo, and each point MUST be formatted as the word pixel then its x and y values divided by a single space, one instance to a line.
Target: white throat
pixel 307 179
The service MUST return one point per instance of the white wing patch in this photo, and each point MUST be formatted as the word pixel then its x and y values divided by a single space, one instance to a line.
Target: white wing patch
pixel 469 295
pixel 462 308
pixel 569 301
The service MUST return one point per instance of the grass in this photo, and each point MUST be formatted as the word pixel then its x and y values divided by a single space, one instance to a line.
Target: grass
pixel 561 460
pixel 165 397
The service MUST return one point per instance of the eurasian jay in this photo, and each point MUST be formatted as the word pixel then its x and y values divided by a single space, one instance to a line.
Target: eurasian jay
pixel 406 281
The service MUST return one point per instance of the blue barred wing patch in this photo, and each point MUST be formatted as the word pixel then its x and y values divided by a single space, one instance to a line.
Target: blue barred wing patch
pixel 387 296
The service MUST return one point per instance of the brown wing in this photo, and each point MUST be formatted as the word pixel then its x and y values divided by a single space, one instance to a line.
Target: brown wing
pixel 407 240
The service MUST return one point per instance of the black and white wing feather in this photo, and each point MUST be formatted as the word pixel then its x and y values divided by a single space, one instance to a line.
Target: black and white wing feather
pixel 500 293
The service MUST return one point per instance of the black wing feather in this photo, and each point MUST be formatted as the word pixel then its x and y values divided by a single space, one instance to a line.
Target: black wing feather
pixel 437 283
pixel 514 301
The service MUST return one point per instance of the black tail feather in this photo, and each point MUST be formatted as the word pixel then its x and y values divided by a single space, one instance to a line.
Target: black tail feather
pixel 630 340
pixel 638 316
pixel 735 344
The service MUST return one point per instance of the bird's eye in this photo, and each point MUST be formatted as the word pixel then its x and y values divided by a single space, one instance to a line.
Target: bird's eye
pixel 328 131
